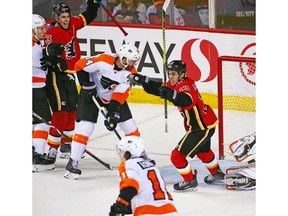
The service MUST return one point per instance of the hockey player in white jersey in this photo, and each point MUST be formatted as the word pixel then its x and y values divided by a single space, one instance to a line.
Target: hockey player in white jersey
pixel 105 79
pixel 42 58
pixel 141 184
pixel 243 177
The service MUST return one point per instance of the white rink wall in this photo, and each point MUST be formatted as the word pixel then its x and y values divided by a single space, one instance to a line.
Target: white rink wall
pixel 199 49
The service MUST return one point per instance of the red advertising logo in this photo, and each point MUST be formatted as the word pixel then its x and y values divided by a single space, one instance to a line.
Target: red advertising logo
pixel 248 69
pixel 200 57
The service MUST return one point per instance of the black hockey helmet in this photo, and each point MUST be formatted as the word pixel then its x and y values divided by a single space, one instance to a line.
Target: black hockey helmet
pixel 60 8
pixel 177 65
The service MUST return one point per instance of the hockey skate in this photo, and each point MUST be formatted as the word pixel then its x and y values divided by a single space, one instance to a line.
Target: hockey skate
pixel 72 170
pixel 41 163
pixel 187 186
pixel 239 182
pixel 52 154
pixel 218 178
pixel 65 150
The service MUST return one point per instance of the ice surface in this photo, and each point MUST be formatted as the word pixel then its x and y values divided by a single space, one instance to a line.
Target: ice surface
pixel 97 187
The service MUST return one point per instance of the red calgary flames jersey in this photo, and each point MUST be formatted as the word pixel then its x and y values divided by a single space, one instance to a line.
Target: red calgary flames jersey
pixel 68 38
pixel 197 116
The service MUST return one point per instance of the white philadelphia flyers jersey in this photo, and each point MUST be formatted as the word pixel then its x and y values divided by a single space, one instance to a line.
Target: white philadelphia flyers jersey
pixel 38 75
pixel 110 83
pixel 152 196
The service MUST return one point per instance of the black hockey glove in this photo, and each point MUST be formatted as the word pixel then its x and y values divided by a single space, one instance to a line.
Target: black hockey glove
pixel 93 3
pixel 53 50
pixel 89 90
pixel 59 65
pixel 167 93
pixel 43 63
pixel 137 79
pixel 107 83
pixel 112 120
pixel 117 208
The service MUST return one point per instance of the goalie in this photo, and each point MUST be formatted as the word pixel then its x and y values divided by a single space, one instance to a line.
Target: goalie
pixel 243 177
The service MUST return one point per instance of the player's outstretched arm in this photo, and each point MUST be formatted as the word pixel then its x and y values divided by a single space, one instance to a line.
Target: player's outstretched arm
pixel 148 85
pixel 91 11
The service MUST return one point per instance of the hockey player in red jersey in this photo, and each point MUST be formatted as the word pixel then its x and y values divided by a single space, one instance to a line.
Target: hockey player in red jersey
pixel 41 58
pixel 62 90
pixel 141 184
pixel 107 76
pixel 199 121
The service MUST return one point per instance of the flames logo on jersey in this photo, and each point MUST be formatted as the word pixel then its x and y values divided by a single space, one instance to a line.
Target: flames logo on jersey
pixel 69 49
pixel 48 39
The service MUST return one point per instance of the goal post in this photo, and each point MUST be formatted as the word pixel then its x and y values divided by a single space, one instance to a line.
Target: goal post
pixel 236 88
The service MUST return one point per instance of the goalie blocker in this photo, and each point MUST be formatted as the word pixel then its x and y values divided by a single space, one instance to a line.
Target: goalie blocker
pixel 243 177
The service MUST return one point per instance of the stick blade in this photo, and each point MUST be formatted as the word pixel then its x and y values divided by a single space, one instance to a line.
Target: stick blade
pixel 165 5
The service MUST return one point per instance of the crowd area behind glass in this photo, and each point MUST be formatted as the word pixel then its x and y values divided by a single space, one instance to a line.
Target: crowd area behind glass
pixel 228 14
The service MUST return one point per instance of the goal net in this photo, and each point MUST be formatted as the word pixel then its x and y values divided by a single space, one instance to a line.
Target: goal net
pixel 236 100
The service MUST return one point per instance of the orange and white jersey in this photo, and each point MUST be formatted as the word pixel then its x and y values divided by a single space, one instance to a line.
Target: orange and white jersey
pixel 152 197
pixel 38 75
pixel 110 83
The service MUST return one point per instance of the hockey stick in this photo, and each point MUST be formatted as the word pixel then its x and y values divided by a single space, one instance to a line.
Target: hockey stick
pixel 110 15
pixel 67 137
pixel 164 10
pixel 104 114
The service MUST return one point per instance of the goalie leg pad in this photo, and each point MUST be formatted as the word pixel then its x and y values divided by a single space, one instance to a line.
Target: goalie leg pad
pixel 244 147
pixel 239 182
pixel 240 178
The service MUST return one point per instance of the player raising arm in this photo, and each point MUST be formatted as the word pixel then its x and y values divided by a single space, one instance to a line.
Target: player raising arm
pixel 141 183
pixel 62 90
pixel 107 76
pixel 199 121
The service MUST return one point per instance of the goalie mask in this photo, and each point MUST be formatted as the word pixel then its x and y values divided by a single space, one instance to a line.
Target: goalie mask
pixel 37 21
pixel 131 53
pixel 130 147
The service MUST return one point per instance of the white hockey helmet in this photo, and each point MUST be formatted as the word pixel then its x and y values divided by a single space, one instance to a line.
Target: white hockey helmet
pixel 130 52
pixel 37 21
pixel 132 144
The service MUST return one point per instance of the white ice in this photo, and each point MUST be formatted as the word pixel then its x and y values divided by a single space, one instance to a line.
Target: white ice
pixel 97 187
